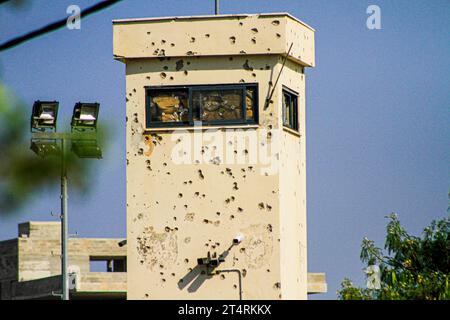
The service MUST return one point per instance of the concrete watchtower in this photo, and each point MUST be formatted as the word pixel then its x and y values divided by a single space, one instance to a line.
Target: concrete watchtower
pixel 215 152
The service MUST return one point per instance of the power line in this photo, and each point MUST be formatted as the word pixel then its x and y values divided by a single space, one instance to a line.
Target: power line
pixel 55 25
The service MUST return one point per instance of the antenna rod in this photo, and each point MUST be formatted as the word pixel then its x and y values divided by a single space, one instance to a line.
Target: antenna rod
pixel 217 7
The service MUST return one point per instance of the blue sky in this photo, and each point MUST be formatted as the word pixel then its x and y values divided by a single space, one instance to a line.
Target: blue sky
pixel 378 123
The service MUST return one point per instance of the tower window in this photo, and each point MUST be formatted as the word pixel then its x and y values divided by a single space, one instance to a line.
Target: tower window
pixel 290 109
pixel 210 105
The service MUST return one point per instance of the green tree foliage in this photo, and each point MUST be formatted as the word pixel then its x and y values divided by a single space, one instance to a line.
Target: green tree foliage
pixel 22 173
pixel 411 268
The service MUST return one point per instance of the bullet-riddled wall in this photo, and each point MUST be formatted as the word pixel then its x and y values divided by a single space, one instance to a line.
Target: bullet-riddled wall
pixel 179 212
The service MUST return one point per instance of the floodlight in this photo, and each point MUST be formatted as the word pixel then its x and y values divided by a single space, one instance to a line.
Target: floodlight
pixel 44 148
pixel 203 261
pixel 44 115
pixel 85 116
pixel 86 149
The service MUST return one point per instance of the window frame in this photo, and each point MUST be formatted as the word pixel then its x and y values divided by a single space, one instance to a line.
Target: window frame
pixel 294 113
pixel 204 87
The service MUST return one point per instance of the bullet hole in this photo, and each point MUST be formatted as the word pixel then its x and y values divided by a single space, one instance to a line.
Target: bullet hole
pixel 166 68
pixel 246 66
pixel 232 198
pixel 230 58
pixel 153 43
pixel 165 164
pixel 231 217
pixel 269 227
pixel 277 285
pixel 185 206
pixel 189 216
pixel 140 151
pixel 128 162
pixel 267 67
pixel 163 75
pixel 242 250
pixel 179 65
pixel 200 175
pixel 241 24
pixel 242 52
pixel 242 81
pixel 240 209
pixel 171 78
pixel 196 194
pixel 244 272
pixel 192 40
pixel 190 53
pixel 261 206
pixel 245 151
pixel 232 40
pixel 227 201
pixel 167 229
pixel 148 163
pixel 234 286
pixel 190 181
pixel 185 72
pixel 147 77
pixel 235 186
pixel 268 49
pixel 146 295
pixel 268 207
pixel 174 218
pixel 218 213
pixel 180 195
pixel 163 41
pixel 141 262
pixel 188 63
pixel 254 40
pixel 203 195
pixel 186 260
pixel 268 270
pixel 222 277
pixel 161 266
pixel 254 30
pixel 275 22
pixel 278 35
pixel 161 273
pixel 207 35
pixel 172 44
pixel 206 221
pixel 254 74
pixel 148 32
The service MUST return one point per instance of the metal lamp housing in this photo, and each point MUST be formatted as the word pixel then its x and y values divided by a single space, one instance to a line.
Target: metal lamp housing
pixel 44 115
pixel 85 116
pixel 86 149
pixel 45 148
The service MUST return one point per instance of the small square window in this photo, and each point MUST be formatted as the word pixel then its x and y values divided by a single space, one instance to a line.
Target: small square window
pixel 290 109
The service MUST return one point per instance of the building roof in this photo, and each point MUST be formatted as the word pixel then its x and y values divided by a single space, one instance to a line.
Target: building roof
pixel 206 17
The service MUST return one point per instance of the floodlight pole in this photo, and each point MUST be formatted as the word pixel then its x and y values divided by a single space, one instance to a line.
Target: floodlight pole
pixel 64 223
